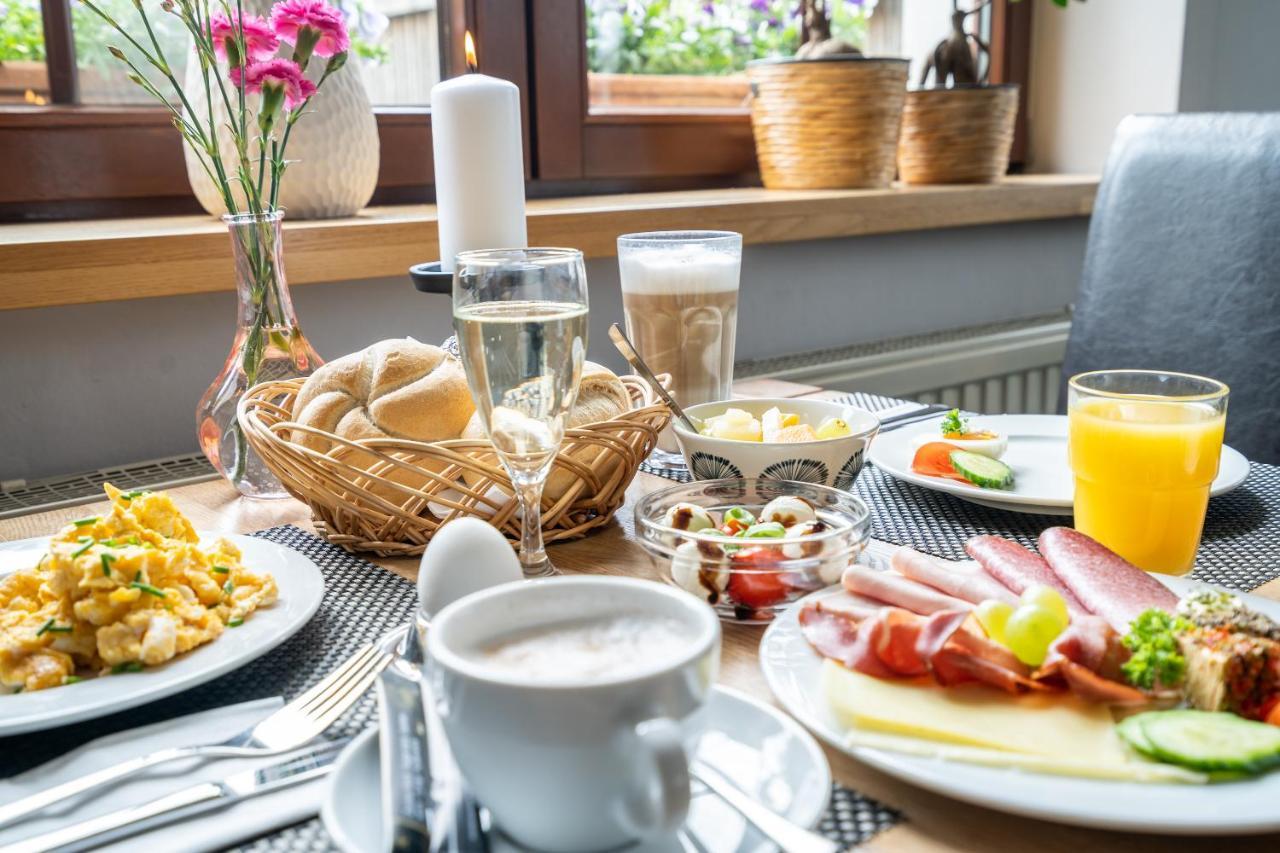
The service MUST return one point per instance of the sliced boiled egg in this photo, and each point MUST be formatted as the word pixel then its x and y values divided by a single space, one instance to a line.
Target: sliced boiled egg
pixel 984 442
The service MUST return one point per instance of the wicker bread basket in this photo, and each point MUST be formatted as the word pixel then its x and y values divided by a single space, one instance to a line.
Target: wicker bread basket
pixel 957 136
pixel 827 123
pixel 389 496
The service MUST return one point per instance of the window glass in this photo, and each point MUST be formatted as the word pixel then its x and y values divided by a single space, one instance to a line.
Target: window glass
pixel 23 79
pixel 665 54
pixel 399 45
pixel 102 78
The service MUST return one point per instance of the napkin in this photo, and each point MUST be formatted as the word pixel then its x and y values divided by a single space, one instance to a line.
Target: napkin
pixel 213 831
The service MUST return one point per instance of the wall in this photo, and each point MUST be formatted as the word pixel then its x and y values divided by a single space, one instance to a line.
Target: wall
pixel 1230 59
pixel 90 386
pixel 1094 63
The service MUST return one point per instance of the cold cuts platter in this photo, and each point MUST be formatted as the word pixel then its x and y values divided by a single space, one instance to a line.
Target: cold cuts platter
pixel 1059 683
pixel 1034 449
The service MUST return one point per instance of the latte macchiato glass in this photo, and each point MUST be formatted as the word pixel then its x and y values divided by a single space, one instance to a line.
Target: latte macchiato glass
pixel 680 298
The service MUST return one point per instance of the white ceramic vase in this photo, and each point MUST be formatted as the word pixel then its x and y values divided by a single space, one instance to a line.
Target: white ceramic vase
pixel 333 150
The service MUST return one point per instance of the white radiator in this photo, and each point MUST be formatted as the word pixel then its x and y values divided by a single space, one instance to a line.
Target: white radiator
pixel 1001 368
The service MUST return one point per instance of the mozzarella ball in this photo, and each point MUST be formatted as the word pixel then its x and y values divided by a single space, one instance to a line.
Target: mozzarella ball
pixel 699 568
pixel 802 550
pixel 687 517
pixel 788 510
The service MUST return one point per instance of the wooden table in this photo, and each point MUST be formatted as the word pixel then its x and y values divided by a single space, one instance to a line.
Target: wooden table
pixel 933 822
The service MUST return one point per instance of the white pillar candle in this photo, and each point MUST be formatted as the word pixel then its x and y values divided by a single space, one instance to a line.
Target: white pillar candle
pixel 475 129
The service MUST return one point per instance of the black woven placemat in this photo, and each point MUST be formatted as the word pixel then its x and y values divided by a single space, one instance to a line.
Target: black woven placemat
pixel 362 601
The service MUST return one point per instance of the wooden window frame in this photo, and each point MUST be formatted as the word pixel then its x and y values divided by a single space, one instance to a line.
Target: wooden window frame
pixel 67 161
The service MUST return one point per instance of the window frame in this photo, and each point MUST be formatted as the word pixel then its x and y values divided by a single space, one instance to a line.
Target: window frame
pixel 71 161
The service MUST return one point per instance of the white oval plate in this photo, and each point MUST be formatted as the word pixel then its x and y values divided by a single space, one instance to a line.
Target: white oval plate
pixel 301 588
pixel 1042 481
pixel 758 747
pixel 792 669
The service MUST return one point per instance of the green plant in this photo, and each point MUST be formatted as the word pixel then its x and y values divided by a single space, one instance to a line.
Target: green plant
pixel 691 37
pixel 21 31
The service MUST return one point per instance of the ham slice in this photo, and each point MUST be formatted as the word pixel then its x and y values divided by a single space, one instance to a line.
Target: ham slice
pixel 966 581
pixel 857 606
pixel 896 643
pixel 1018 568
pixel 1103 581
pixel 893 588
pixel 1087 657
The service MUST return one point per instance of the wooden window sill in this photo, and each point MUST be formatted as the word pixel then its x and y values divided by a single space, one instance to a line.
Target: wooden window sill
pixel 67 263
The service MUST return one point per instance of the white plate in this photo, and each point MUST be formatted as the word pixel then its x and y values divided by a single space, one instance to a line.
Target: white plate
pixel 1042 481
pixel 761 749
pixel 301 588
pixel 792 669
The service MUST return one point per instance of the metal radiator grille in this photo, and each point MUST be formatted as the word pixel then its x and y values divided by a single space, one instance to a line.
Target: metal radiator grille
pixel 23 497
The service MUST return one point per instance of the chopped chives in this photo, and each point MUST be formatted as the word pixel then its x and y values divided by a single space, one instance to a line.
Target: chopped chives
pixel 45 627
pixel 71 679
pixel 52 628
pixel 85 547
pixel 127 666
pixel 220 570
pixel 85 522
pixel 134 540
pixel 148 589
pixel 228 588
pixel 107 560
pixel 236 622
pixel 134 494
pixel 109 543
pixel 17 690
pixel 43 557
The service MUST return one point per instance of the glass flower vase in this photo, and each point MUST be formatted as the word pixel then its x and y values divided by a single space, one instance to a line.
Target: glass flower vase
pixel 268 346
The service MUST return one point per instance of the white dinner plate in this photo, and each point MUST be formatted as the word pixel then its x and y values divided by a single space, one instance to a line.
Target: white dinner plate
pixel 301 588
pixel 760 749
pixel 1042 481
pixel 792 670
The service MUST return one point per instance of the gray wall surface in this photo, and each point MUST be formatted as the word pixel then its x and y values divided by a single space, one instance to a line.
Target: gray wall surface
pixel 1230 60
pixel 89 386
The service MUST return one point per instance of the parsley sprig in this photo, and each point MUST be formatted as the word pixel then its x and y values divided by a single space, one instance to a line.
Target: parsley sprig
pixel 1156 660
pixel 952 423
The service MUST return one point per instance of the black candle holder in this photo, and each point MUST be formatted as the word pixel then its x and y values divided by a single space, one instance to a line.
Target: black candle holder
pixel 430 278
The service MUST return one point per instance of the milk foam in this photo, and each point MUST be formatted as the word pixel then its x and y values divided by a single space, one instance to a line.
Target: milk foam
pixel 679 269
pixel 589 649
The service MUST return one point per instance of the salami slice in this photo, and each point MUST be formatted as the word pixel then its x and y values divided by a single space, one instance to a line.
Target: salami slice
pixel 1106 583
pixel 1018 568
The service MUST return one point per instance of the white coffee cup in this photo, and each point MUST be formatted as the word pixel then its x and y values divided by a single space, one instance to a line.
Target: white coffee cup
pixel 573 764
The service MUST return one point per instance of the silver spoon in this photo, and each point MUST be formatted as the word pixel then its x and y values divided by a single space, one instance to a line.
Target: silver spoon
pixel 633 358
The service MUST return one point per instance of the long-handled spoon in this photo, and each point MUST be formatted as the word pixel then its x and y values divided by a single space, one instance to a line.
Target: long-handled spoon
pixel 633 358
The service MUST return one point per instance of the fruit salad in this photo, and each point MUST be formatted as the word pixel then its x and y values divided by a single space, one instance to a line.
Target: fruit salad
pixel 773 427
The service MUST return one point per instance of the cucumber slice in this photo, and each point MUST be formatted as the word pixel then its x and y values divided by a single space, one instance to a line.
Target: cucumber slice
pixel 1130 731
pixel 982 470
pixel 1210 740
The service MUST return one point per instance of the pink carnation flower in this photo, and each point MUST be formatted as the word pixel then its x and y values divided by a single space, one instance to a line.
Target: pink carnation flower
pixel 276 74
pixel 291 16
pixel 260 40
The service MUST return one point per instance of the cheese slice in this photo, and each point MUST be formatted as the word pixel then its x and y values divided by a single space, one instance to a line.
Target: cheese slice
pixel 1052 725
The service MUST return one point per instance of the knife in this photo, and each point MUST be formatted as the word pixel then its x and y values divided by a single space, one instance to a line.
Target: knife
pixel 187 803
pixel 403 750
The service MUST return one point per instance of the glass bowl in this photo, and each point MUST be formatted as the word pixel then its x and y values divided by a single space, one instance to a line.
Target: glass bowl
pixel 752 580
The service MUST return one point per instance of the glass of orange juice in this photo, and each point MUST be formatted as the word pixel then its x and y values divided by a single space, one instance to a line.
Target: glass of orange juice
pixel 1144 448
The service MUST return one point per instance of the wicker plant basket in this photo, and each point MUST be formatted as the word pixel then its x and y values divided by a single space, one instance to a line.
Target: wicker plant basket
pixel 957 136
pixel 828 123
pixel 389 496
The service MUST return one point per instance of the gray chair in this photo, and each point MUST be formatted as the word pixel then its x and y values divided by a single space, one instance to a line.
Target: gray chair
pixel 1182 269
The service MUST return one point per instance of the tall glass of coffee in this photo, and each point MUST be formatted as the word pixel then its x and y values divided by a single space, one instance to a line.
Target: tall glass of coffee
pixel 680 297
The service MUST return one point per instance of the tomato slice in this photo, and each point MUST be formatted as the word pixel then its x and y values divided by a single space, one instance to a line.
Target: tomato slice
pixel 934 460
pixel 756 588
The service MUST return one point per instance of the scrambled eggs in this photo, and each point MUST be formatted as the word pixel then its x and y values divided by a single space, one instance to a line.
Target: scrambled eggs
pixel 119 592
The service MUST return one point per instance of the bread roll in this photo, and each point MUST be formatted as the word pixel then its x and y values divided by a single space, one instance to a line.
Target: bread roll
pixel 601 397
pixel 392 389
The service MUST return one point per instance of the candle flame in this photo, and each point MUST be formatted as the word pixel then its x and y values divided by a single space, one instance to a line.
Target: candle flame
pixel 469 45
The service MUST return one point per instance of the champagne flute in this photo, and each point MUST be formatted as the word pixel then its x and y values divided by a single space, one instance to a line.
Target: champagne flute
pixel 521 320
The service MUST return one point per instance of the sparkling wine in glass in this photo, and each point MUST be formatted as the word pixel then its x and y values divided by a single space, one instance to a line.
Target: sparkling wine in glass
pixel 521 320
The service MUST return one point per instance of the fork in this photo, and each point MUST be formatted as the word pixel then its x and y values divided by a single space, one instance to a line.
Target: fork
pixel 285 730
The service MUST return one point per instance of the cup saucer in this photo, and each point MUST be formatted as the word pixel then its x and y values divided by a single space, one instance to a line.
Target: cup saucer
pixel 762 750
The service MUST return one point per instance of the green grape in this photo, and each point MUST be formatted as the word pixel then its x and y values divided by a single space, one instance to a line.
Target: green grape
pixel 1029 633
pixel 1046 598
pixel 993 616
pixel 765 530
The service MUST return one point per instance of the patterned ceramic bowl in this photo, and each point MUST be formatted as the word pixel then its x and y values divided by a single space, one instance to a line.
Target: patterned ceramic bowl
pixel 751 579
pixel 832 462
